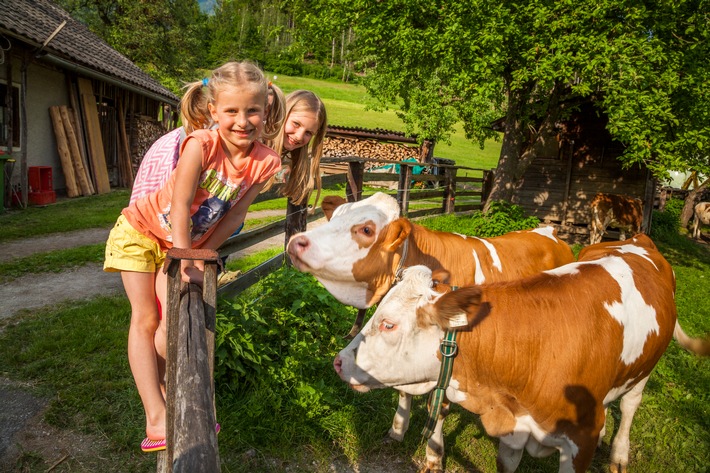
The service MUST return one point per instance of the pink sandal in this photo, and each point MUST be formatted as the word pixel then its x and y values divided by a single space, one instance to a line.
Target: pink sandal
pixel 148 445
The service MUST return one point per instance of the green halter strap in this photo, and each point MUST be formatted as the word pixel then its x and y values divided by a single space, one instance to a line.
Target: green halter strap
pixel 448 349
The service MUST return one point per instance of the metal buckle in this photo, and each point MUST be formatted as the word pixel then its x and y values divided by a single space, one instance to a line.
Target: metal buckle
pixel 450 345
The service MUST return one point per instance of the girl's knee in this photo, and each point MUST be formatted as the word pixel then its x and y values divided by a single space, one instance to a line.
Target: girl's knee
pixel 145 320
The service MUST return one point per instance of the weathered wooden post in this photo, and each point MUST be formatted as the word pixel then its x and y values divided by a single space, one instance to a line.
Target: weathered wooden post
pixel 356 171
pixel 449 190
pixel 296 220
pixel 405 179
pixel 191 436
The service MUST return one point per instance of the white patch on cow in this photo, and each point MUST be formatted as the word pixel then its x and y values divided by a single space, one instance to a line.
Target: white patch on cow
pixel 350 292
pixel 494 254
pixel 635 250
pixel 616 393
pixel 526 425
pixel 453 393
pixel 548 232
pixel 478 276
pixel 571 268
pixel 637 318
pixel 461 235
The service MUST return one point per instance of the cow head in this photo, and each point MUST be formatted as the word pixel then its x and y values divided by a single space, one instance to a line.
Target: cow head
pixel 399 345
pixel 353 254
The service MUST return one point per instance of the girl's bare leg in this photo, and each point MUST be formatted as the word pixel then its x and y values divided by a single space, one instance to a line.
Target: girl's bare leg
pixel 140 289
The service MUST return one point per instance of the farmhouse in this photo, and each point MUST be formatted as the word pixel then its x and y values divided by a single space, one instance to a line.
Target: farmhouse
pixel 101 105
pixel 569 171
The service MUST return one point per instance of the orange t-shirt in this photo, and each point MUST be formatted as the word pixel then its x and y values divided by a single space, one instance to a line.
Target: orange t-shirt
pixel 220 187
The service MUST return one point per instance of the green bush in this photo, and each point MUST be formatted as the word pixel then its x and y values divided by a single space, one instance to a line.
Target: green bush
pixel 501 217
pixel 270 335
pixel 666 225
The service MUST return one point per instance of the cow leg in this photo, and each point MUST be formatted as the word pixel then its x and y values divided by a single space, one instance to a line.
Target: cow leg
pixel 400 423
pixel 696 226
pixel 602 433
pixel 622 234
pixel 630 402
pixel 508 457
pixel 435 445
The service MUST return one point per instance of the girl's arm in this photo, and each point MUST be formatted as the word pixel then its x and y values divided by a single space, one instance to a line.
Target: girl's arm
pixel 187 177
pixel 231 221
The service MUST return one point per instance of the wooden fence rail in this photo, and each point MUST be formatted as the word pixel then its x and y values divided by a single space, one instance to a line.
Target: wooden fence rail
pixel 442 191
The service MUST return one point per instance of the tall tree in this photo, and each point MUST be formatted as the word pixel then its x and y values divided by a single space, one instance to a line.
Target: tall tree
pixel 643 63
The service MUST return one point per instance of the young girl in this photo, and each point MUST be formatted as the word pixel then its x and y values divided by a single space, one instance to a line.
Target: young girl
pixel 300 144
pixel 161 158
pixel 204 201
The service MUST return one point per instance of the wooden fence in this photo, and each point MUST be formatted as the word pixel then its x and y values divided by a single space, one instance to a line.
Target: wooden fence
pixel 442 189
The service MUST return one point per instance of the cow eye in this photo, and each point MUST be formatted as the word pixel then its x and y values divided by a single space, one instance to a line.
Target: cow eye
pixel 387 326
pixel 366 230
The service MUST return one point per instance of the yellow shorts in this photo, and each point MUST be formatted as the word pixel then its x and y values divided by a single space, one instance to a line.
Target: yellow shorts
pixel 127 249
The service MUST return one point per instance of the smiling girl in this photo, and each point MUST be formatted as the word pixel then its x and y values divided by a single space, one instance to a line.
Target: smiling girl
pixel 204 201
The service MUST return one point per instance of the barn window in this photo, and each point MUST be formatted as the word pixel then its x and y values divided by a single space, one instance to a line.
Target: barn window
pixel 5 116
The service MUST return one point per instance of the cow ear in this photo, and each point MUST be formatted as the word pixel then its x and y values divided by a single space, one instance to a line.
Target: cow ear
pixel 453 310
pixel 330 203
pixel 396 233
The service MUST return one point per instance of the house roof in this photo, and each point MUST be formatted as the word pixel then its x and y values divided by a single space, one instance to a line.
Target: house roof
pixel 34 21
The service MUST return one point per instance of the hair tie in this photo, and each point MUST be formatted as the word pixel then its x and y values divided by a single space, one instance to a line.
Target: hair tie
pixel 269 84
pixel 205 81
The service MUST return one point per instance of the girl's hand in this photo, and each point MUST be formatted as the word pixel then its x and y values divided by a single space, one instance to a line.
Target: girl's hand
pixel 191 273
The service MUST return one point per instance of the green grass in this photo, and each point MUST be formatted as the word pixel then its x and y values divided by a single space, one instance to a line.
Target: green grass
pixel 97 211
pixel 51 261
pixel 74 355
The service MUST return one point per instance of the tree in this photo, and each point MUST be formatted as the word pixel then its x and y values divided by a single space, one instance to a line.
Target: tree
pixel 643 63
pixel 166 38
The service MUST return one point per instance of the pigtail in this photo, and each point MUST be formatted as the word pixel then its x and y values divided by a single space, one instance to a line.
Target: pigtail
pixel 193 107
pixel 275 114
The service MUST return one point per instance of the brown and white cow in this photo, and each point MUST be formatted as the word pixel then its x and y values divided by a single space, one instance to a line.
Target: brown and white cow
pixel 539 359
pixel 357 254
pixel 701 216
pixel 618 211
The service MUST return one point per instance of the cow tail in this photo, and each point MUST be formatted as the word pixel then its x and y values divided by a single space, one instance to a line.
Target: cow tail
pixel 700 346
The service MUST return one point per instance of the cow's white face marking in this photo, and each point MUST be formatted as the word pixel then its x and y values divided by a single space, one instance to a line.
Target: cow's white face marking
pixel 391 350
pixel 330 251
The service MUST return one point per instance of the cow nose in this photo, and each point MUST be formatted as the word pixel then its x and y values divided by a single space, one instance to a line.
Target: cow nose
pixel 298 244
pixel 338 364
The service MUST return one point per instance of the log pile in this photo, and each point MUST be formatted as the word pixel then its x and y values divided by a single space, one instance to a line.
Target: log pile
pixel 338 147
pixel 146 131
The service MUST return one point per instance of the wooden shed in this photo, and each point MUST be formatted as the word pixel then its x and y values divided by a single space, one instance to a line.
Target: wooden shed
pixel 69 103
pixel 568 171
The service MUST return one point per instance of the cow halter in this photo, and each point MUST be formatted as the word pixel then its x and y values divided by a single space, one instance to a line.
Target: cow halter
pixel 448 349
pixel 400 265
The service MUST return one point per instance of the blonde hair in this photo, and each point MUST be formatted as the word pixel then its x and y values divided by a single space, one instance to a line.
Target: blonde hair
pixel 193 105
pixel 305 161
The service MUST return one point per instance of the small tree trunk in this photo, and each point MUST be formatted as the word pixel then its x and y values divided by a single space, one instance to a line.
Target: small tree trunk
pixel 690 201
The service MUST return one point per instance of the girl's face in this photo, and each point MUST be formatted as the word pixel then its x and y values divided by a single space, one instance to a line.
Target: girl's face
pixel 239 113
pixel 299 129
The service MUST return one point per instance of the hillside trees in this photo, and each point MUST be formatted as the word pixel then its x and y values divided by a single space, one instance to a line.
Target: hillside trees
pixel 642 63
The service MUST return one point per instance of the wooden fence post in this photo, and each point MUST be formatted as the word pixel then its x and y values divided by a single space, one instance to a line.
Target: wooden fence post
pixel 405 178
pixel 296 220
pixel 449 190
pixel 356 171
pixel 190 435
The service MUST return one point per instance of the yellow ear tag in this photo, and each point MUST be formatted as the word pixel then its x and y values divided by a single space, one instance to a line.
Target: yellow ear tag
pixel 458 320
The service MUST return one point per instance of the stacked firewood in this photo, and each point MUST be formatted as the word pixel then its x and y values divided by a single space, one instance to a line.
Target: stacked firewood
pixel 338 147
pixel 145 133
